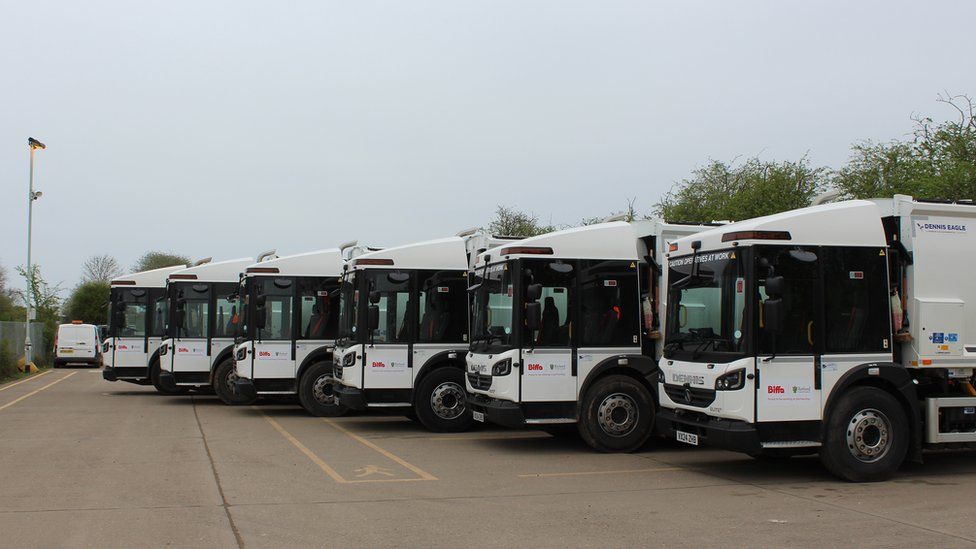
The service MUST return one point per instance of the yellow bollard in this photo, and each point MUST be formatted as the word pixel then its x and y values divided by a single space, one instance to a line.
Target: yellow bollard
pixel 31 369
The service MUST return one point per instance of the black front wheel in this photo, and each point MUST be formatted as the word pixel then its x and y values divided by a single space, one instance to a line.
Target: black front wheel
pixel 440 402
pixel 223 383
pixel 617 414
pixel 316 391
pixel 867 436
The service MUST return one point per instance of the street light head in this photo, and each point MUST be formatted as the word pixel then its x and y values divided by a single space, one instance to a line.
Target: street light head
pixel 38 194
pixel 35 144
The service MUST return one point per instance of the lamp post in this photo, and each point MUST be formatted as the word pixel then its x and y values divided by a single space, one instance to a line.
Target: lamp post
pixel 31 197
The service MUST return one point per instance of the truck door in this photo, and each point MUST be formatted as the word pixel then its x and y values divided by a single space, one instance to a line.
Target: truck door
pixel 442 299
pixel 129 329
pixel 272 355
pixel 191 346
pixel 609 313
pixel 318 316
pixel 547 369
pixel 388 349
pixel 788 362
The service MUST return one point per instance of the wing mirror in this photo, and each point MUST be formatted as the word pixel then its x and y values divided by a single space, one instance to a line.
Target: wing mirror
pixel 773 315
pixel 533 316
pixel 374 317
pixel 374 297
pixel 533 292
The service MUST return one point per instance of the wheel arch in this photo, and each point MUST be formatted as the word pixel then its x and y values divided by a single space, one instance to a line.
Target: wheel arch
pixel 322 354
pixel 895 380
pixel 639 367
pixel 153 359
pixel 443 359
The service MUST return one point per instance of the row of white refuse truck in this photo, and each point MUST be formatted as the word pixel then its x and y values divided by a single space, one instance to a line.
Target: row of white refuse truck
pixel 845 329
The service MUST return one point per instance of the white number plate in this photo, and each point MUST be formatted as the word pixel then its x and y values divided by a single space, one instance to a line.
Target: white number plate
pixel 687 438
pixel 478 416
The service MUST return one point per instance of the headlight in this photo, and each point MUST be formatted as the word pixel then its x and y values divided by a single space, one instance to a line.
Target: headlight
pixel 349 360
pixel 502 368
pixel 163 349
pixel 731 381
pixel 241 354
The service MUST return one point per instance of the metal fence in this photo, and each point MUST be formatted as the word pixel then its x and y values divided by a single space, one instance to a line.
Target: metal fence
pixel 13 334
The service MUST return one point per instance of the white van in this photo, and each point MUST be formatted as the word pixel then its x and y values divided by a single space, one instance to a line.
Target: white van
pixel 77 344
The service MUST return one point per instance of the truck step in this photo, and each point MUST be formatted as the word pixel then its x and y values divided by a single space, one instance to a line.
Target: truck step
pixel 790 444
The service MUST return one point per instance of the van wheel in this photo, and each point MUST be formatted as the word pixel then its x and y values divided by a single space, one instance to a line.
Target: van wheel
pixel 617 415
pixel 441 403
pixel 154 377
pixel 867 436
pixel 223 384
pixel 316 391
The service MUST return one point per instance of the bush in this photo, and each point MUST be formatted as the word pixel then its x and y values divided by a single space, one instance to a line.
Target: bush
pixel 8 362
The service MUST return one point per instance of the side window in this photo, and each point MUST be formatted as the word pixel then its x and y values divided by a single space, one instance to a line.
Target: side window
pixel 609 306
pixel 227 312
pixel 319 308
pixel 557 279
pixel 278 309
pixel 856 301
pixel 443 303
pixel 393 291
pixel 160 316
pixel 799 268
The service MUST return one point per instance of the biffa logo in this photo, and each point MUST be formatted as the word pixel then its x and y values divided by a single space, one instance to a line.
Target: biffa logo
pixel 379 365
pixel 535 367
pixel 775 390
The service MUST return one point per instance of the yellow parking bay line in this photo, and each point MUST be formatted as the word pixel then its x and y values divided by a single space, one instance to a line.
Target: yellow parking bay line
pixel 608 472
pixel 424 475
pixel 35 391
pixel 304 449
pixel 5 387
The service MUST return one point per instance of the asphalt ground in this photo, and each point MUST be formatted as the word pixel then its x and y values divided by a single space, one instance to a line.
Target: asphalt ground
pixel 85 462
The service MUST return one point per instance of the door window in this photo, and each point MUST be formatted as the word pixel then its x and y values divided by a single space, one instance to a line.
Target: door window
pixel 557 279
pixel 227 313
pixel 278 309
pixel 800 269
pixel 392 288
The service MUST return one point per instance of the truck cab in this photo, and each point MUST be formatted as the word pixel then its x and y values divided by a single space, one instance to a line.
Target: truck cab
pixel 565 331
pixel 838 329
pixel 138 317
pixel 403 329
pixel 204 312
pixel 286 337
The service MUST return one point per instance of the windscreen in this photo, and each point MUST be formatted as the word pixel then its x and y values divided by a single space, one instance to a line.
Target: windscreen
pixel 492 311
pixel 706 304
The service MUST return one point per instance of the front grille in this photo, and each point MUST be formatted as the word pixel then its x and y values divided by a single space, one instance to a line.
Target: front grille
pixel 480 382
pixel 690 396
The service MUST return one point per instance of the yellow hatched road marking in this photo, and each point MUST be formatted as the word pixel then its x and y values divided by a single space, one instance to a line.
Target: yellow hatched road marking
pixel 35 391
pixel 609 472
pixel 333 474
pixel 5 387
pixel 424 475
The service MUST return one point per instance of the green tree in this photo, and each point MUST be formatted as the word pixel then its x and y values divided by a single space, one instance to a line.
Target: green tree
pixel 628 214
pixel 8 307
pixel 512 222
pixel 46 300
pixel 938 162
pixel 736 191
pixel 88 302
pixel 158 260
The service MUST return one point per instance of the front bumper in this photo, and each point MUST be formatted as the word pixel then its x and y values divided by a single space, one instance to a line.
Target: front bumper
pixel 167 381
pixel 735 435
pixel 501 412
pixel 350 397
pixel 245 388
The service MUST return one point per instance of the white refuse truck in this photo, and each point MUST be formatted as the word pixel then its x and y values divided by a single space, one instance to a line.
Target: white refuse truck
pixel 138 317
pixel 204 313
pixel 290 312
pixel 565 331
pixel 846 329
pixel 403 329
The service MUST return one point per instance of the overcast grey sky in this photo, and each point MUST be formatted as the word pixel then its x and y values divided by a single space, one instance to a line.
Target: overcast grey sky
pixel 226 128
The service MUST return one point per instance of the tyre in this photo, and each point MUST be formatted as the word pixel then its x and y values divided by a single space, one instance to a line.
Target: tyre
pixel 440 402
pixel 154 370
pixel 867 436
pixel 316 391
pixel 617 414
pixel 223 384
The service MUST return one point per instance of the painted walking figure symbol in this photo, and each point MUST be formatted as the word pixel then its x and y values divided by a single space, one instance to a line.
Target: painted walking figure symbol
pixel 373 470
